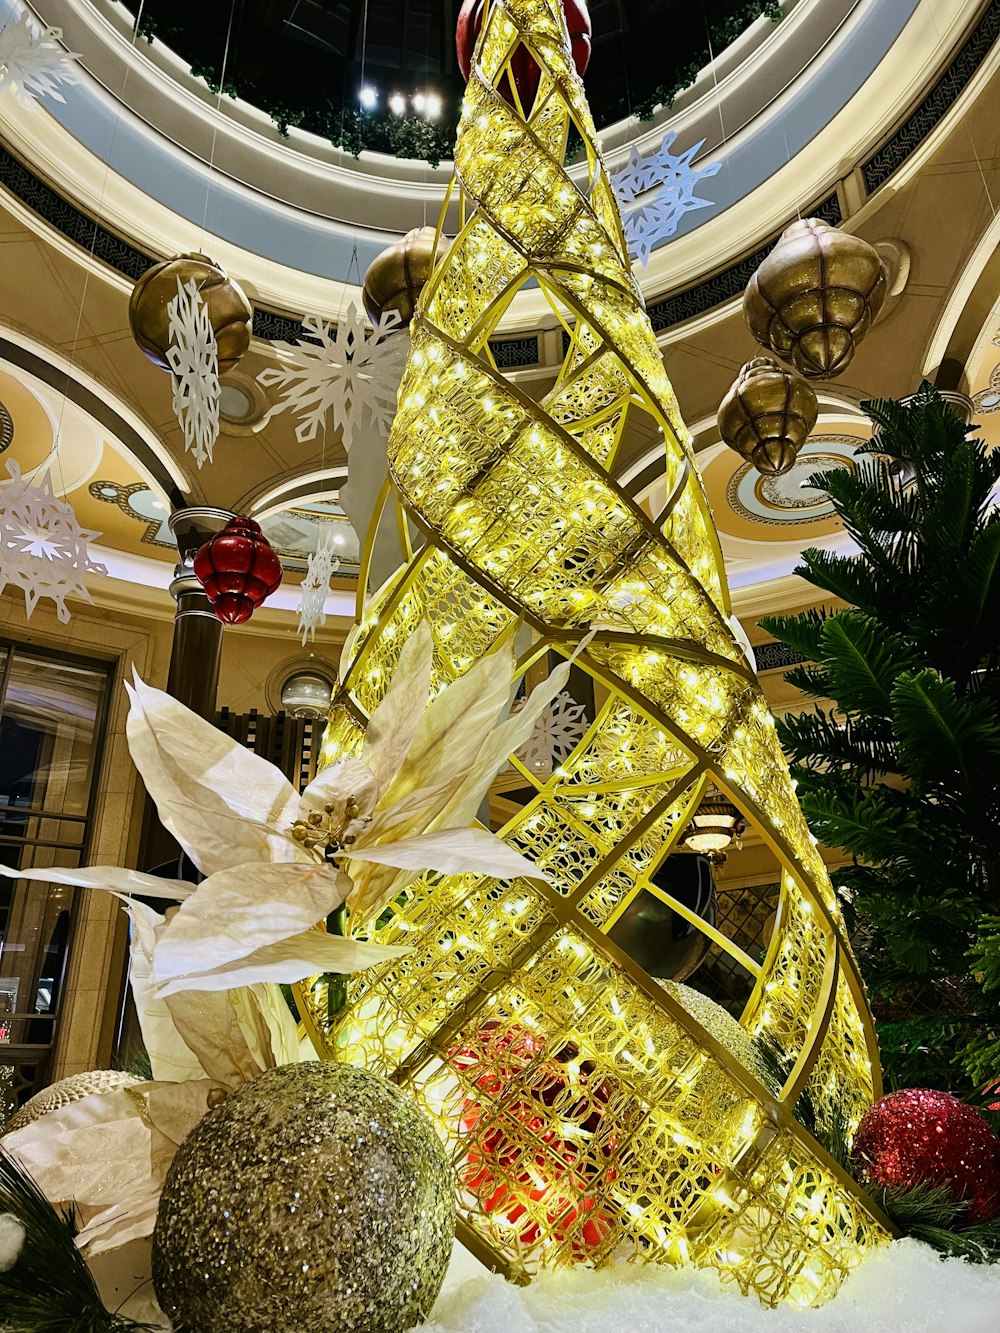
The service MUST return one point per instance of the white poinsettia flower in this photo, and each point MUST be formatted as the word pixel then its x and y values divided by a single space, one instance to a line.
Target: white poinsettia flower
pixel 278 863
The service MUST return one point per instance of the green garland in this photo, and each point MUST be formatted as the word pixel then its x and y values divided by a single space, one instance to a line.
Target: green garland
pixel 411 137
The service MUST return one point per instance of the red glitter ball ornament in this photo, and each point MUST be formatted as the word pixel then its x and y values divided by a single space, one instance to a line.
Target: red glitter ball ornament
pixel 541 1180
pixel 526 72
pixel 921 1137
pixel 237 569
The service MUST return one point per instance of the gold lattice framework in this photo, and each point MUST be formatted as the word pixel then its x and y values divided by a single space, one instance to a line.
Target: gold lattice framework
pixel 584 1107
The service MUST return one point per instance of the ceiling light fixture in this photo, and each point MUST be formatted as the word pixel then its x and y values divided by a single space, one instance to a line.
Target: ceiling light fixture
pixel 715 826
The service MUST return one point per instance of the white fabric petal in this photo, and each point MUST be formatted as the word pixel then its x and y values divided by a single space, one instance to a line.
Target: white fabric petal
pixel 453 727
pixel 199 778
pixel 453 852
pixel 114 878
pixel 236 912
pixel 170 1057
pixel 497 748
pixel 336 784
pixel 393 724
pixel 289 961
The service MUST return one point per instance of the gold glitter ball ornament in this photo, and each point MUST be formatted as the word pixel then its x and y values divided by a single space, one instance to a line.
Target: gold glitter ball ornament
pixel 815 297
pixel 315 1197
pixel 229 308
pixel 398 275
pixel 67 1090
pixel 767 415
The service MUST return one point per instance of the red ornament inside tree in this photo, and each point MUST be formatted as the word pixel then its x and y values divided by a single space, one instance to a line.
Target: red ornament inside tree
pixel 543 1180
pixel 525 70
pixel 922 1137
pixel 238 570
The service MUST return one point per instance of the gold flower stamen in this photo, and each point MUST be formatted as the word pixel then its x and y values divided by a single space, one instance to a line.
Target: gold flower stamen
pixel 326 833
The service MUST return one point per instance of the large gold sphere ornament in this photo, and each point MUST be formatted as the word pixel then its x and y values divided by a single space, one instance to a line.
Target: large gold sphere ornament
pixel 767 415
pixel 66 1091
pixel 229 308
pixel 815 297
pixel 397 276
pixel 315 1197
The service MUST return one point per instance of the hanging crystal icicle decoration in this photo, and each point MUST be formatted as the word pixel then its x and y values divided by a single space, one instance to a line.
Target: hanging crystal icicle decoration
pixel 323 564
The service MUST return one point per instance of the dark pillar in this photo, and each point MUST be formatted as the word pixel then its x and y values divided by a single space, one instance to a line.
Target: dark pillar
pixel 196 652
pixel 195 658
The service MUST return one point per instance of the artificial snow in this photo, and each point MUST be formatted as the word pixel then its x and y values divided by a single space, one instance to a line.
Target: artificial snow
pixel 905 1288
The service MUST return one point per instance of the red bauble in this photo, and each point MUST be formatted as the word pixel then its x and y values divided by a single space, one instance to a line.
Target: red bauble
pixel 919 1136
pixel 525 70
pixel 539 1178
pixel 238 570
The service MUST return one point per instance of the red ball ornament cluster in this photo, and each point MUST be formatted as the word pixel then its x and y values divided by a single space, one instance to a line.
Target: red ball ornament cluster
pixel 238 570
pixel 541 1180
pixel 921 1137
pixel 523 65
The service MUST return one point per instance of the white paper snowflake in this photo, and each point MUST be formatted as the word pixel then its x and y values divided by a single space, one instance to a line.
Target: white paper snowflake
pixel 193 355
pixel 33 63
pixel 655 190
pixel 344 370
pixel 557 733
pixel 43 549
pixel 323 564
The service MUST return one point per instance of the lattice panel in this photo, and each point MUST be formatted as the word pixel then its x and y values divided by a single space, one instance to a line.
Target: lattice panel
pixel 584 1108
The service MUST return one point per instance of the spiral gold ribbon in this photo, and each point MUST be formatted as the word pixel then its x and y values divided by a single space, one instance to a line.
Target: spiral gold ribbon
pixel 583 1105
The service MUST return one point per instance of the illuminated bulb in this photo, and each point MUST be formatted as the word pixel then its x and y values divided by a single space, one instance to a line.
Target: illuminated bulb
pixel 419 103
pixel 368 97
pixel 397 104
pixel 434 106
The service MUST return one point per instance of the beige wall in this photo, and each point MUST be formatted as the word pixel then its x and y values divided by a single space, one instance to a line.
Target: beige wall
pixel 122 639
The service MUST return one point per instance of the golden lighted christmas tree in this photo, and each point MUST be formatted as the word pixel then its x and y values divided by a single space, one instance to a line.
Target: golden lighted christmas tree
pixel 587 1107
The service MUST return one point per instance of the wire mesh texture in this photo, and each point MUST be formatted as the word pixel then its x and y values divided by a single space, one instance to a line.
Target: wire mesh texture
pixel 588 1113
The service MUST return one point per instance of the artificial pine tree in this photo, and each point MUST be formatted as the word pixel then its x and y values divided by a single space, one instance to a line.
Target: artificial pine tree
pixel 903 771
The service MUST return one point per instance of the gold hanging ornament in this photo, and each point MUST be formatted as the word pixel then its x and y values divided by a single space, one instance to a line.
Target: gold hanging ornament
pixel 397 276
pixel 767 415
pixel 586 1111
pixel 229 308
pixel 815 297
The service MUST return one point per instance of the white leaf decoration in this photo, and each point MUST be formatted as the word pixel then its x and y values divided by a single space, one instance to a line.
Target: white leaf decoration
pixel 323 564
pixel 33 63
pixel 655 190
pixel 344 370
pixel 43 549
pixel 193 355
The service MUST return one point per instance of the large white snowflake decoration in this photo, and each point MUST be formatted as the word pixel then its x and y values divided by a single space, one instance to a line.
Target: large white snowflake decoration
pixel 33 63
pixel 193 355
pixel 559 730
pixel 655 190
pixel 323 564
pixel 344 370
pixel 43 549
